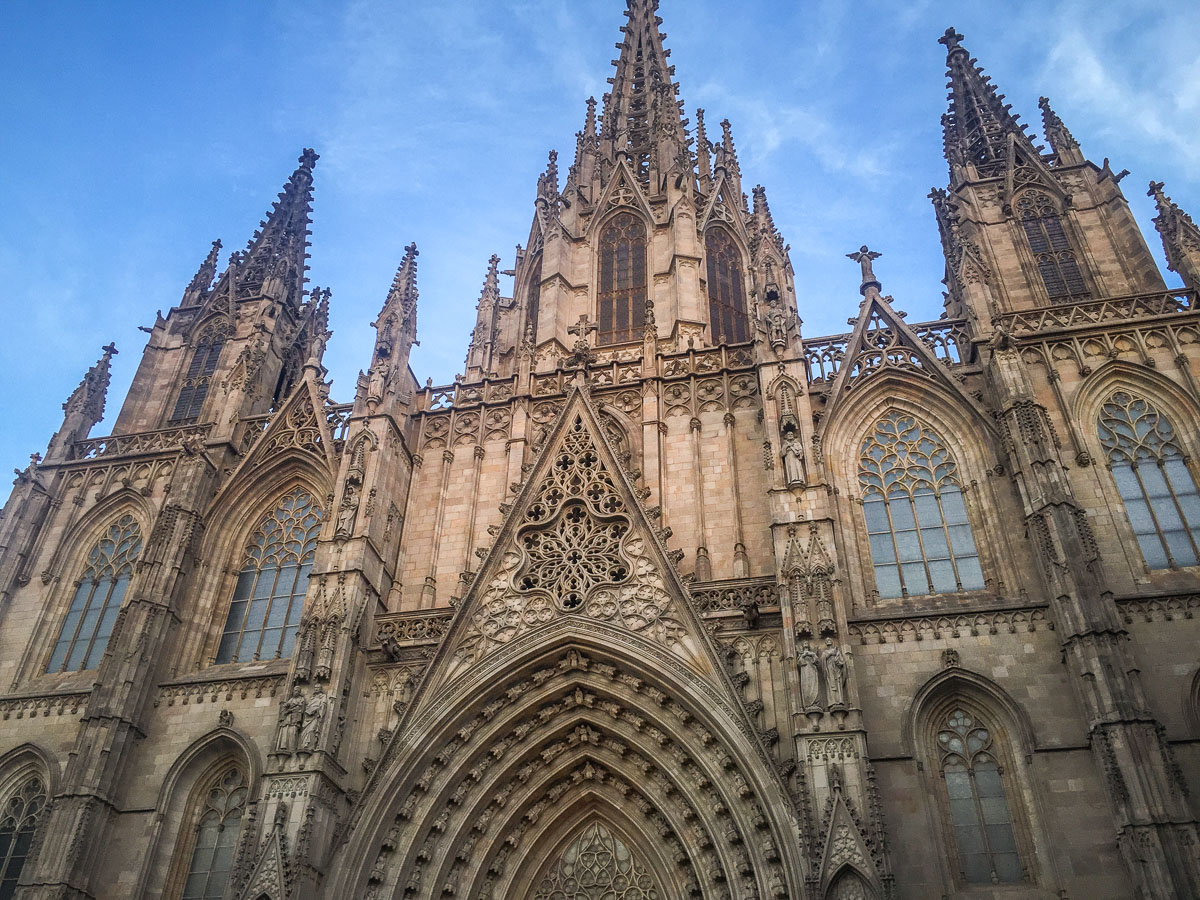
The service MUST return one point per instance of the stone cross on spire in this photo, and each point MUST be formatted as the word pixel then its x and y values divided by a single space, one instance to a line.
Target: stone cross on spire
pixel 110 349
pixel 950 39
pixel 864 257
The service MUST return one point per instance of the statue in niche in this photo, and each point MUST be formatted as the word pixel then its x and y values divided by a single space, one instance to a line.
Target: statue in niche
pixel 291 717
pixel 314 719
pixel 777 325
pixel 810 675
pixel 349 511
pixel 834 664
pixel 793 461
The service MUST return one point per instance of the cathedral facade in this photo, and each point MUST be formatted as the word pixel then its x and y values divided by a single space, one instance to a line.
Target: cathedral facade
pixel 661 598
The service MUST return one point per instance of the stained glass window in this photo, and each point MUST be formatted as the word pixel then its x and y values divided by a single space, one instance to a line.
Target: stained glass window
pixel 920 537
pixel 19 817
pixel 597 866
pixel 198 376
pixel 97 600
pixel 622 294
pixel 727 321
pixel 535 294
pixel 269 597
pixel 215 837
pixel 979 814
pixel 1051 248
pixel 1153 479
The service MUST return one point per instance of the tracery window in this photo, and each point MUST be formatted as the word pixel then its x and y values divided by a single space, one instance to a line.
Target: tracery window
pixel 269 597
pixel 622 294
pixel 19 818
pixel 727 320
pixel 597 866
pixel 1153 479
pixel 215 835
pixel 198 376
pixel 97 599
pixel 1051 248
pixel 979 813
pixel 920 537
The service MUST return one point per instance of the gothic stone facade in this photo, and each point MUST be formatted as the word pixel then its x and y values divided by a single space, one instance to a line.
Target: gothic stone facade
pixel 661 598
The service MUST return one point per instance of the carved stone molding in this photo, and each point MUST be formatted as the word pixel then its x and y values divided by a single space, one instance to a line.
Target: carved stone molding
pixel 43 705
pixel 1159 609
pixel 185 692
pixel 411 628
pixel 917 628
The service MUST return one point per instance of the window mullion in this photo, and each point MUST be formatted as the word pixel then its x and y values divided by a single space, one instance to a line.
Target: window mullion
pixel 987 847
pixel 921 542
pixel 887 508
pixel 937 495
pixel 1187 525
pixel 1162 538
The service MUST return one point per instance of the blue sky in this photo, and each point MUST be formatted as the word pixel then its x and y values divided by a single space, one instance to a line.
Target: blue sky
pixel 136 133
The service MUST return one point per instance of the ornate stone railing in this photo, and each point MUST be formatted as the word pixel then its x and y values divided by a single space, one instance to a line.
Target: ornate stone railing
pixel 1098 312
pixel 338 417
pixel 399 629
pixel 165 439
pixel 734 594
pixel 945 338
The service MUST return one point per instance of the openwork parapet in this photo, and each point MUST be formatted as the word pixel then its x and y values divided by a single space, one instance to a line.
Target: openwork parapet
pixel 1098 312
pixel 164 440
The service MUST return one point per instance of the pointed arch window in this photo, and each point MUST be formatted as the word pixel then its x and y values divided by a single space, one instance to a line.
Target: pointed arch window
pixel 97 599
pixel 622 294
pixel 214 836
pixel 597 864
pixel 979 812
pixel 19 818
pixel 199 374
pixel 535 297
pixel 1153 478
pixel 727 322
pixel 917 526
pixel 269 597
pixel 1056 259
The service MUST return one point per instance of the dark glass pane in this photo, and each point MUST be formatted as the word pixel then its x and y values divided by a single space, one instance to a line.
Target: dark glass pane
pixel 941 573
pixel 1152 549
pixel 914 578
pixel 887 581
pixel 882 550
pixel 902 513
pixel 969 573
pixel 876 515
pixel 907 546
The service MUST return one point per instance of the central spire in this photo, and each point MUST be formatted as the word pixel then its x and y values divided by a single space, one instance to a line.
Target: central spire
pixel 641 111
pixel 979 123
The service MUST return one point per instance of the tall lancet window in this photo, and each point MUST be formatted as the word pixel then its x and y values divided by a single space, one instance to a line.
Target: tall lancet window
pixel 269 597
pixel 921 541
pixel 979 814
pixel 1154 481
pixel 198 376
pixel 97 598
pixel 215 834
pixel 19 818
pixel 727 321
pixel 622 295
pixel 535 296
pixel 1047 238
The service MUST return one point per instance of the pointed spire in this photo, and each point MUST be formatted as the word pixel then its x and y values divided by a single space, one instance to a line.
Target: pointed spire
pixel 274 258
pixel 395 333
pixel 703 149
pixel 490 295
pixel 204 276
pixel 403 294
pixel 979 122
pixel 85 407
pixel 1060 139
pixel 547 188
pixel 726 153
pixel 641 111
pixel 483 336
pixel 1180 236
pixel 764 223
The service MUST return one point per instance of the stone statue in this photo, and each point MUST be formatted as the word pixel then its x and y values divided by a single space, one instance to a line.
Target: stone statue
pixel 865 258
pixel 291 716
pixel 793 461
pixel 349 511
pixel 314 719
pixel 777 323
pixel 810 675
pixel 834 664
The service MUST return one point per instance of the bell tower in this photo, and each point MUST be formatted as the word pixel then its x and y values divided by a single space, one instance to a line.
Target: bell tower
pixel 1022 227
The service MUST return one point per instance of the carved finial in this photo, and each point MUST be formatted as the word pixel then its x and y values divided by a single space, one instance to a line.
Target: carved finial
pixel 865 257
pixel 110 349
pixel 204 276
pixel 951 39
pixel 1060 138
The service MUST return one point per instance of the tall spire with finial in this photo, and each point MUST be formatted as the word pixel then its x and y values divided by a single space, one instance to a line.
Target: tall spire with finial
pixel 273 262
pixel 1061 141
pixel 1180 237
pixel 483 338
pixel 395 333
pixel 703 151
pixel 977 127
pixel 642 118
pixel 204 276
pixel 84 408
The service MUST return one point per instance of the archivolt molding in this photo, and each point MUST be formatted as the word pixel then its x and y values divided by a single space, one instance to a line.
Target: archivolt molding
pixel 1141 381
pixel 545 717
